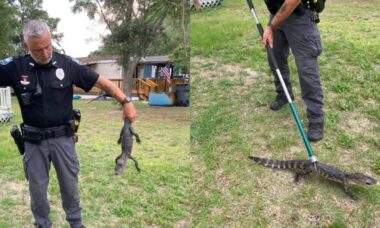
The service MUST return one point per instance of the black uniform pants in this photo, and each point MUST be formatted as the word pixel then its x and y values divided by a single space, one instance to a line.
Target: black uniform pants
pixel 301 36
pixel 37 160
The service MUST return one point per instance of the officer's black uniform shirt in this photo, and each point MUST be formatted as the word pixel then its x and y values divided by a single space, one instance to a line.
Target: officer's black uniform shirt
pixel 51 104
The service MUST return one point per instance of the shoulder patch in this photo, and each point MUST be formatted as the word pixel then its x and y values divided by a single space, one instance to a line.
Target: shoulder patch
pixel 6 61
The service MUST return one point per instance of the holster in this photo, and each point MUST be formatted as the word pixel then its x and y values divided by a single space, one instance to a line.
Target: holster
pixel 318 5
pixel 17 137
pixel 76 120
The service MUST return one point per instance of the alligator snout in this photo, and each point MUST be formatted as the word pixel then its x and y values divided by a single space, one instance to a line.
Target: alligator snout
pixel 371 182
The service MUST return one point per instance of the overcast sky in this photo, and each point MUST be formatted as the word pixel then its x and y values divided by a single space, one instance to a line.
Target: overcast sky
pixel 81 36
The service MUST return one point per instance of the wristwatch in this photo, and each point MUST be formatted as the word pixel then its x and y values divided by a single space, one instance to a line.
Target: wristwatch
pixel 126 100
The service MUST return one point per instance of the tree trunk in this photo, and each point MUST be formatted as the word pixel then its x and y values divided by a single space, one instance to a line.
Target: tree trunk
pixel 185 35
pixel 128 75
pixel 197 4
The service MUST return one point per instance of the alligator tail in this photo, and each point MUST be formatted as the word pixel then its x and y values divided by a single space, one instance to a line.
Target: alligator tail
pixel 278 164
pixel 120 163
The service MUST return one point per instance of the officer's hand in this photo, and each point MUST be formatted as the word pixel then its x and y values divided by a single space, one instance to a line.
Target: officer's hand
pixel 268 37
pixel 129 112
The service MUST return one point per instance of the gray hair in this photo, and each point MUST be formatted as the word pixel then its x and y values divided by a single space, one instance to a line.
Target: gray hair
pixel 35 28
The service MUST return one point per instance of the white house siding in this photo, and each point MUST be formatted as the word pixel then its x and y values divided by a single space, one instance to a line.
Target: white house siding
pixel 110 70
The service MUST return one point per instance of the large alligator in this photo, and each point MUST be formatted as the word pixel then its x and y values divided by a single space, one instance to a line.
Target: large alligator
pixel 305 167
pixel 126 141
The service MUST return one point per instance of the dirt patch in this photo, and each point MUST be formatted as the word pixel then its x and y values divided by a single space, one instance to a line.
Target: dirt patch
pixel 376 221
pixel 221 181
pixel 171 114
pixel 213 70
pixel 180 224
pixel 357 124
pixel 376 67
pixel 348 204
pixel 14 190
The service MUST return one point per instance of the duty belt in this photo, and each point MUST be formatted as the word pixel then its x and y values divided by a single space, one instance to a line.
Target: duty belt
pixel 36 135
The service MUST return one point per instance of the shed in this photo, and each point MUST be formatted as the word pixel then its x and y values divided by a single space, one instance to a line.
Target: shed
pixel 150 66
pixel 106 66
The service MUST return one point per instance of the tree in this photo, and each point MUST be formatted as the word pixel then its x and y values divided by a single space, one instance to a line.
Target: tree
pixel 7 23
pixel 134 26
pixel 185 19
pixel 26 10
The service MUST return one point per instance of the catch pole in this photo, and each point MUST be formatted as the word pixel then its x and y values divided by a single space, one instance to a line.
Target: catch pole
pixel 306 142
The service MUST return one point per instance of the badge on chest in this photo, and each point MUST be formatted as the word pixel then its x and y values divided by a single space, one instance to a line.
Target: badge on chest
pixel 60 74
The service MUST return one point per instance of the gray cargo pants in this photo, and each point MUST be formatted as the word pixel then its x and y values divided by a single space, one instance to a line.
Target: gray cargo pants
pixel 302 36
pixel 37 159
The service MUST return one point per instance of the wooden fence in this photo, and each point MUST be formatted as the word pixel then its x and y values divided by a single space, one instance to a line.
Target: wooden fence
pixel 141 87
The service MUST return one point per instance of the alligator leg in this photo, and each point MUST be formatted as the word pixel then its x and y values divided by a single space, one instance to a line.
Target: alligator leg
pixel 138 140
pixel 348 192
pixel 136 163
pixel 121 136
pixel 300 173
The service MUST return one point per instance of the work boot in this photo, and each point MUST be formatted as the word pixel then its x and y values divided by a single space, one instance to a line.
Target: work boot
pixel 315 132
pixel 278 103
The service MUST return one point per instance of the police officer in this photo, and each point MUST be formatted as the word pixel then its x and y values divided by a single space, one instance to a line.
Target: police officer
pixel 43 83
pixel 291 27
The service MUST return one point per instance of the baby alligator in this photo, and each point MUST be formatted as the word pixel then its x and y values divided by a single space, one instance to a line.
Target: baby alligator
pixel 126 141
pixel 305 167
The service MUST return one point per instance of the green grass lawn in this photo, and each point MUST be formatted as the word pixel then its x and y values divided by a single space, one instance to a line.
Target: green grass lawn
pixel 210 182
pixel 159 196
pixel 230 119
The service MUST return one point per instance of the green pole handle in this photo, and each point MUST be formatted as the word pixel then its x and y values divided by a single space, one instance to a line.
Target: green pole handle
pixel 302 132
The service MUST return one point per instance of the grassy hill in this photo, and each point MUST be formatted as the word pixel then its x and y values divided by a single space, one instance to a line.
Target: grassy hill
pixel 230 119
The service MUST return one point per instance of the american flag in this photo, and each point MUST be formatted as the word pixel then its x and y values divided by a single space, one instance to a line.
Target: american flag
pixel 166 72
